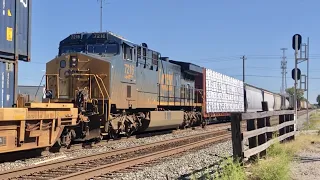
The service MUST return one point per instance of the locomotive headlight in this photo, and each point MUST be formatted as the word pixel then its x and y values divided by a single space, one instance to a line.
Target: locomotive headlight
pixel 73 62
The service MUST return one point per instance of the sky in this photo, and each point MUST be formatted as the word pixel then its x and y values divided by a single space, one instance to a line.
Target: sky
pixel 210 33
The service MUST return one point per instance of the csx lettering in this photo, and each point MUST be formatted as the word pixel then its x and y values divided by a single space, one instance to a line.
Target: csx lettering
pixel 128 71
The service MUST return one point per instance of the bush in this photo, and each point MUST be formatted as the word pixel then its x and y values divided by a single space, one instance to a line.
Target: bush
pixel 231 170
pixel 273 168
pixel 276 164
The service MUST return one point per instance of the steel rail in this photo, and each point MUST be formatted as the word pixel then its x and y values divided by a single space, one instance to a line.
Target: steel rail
pixel 69 162
pixel 105 169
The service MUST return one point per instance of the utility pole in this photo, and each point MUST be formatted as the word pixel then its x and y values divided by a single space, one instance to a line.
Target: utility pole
pixel 308 80
pixel 243 67
pixel 284 74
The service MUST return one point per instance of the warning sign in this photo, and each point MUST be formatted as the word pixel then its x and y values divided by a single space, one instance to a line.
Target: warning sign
pixel 9 33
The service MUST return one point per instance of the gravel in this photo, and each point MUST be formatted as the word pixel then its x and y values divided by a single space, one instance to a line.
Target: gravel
pixel 308 165
pixel 181 167
pixel 102 147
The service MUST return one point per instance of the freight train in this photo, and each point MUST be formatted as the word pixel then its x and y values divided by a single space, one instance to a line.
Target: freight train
pixel 120 87
pixel 102 85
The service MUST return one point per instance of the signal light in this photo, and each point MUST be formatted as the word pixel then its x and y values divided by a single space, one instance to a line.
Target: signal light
pixel 294 41
pixel 298 73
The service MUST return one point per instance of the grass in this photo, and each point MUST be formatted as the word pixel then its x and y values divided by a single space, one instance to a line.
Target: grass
pixel 314 122
pixel 275 166
pixel 231 170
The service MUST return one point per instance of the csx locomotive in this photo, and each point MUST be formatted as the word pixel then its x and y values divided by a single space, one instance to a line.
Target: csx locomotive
pixel 121 87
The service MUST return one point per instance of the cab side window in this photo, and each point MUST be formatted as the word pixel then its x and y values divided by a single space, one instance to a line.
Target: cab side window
pixel 127 52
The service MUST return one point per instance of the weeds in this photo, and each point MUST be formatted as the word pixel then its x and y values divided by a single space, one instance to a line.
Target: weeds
pixel 314 122
pixel 276 164
pixel 231 170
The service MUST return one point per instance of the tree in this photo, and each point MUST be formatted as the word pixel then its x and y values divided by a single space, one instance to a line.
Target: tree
pixel 300 93
pixel 318 99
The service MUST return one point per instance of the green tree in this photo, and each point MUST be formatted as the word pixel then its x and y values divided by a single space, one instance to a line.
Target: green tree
pixel 318 99
pixel 300 93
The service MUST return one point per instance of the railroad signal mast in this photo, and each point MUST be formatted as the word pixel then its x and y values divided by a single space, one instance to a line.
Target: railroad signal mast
pixel 296 72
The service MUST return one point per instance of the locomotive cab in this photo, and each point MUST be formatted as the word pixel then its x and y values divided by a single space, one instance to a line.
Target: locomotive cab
pixel 71 78
pixel 84 80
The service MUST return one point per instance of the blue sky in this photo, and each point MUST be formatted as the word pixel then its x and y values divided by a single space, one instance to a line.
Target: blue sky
pixel 210 33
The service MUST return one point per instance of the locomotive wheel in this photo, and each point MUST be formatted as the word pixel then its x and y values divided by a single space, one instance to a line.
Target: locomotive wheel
pixel 98 139
pixel 113 134
pixel 67 140
pixel 56 147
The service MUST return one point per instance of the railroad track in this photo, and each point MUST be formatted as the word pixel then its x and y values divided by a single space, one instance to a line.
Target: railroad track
pixel 14 156
pixel 224 125
pixel 100 165
pixel 300 113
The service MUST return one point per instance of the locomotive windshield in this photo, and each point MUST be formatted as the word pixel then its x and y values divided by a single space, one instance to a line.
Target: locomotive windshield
pixel 72 48
pixel 110 48
pixel 103 48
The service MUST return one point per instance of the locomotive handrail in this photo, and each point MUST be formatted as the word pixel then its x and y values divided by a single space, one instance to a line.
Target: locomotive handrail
pixel 193 98
pixel 57 75
pixel 104 86
pixel 95 76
